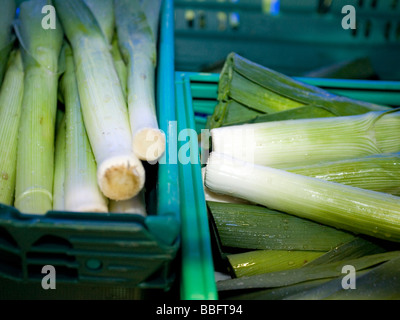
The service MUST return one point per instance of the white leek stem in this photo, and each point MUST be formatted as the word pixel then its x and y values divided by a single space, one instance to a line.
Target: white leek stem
pixel 11 94
pixel 120 65
pixel 217 197
pixel 120 173
pixel 7 38
pixel 138 47
pixel 103 10
pixel 357 210
pixel 35 161
pixel 289 143
pixel 148 139
pixel 82 193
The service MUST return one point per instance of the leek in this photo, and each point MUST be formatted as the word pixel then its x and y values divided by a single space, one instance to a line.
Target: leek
pixel 138 42
pixel 231 112
pixel 379 172
pixel 299 279
pixel 152 10
pixel 11 95
pixel 103 10
pixel 135 205
pixel 290 143
pixel 120 174
pixel 252 88
pixel 266 90
pixel 253 96
pixel 82 193
pixel 59 168
pixel 7 38
pixel 60 115
pixel 120 65
pixel 376 214
pixel 248 226
pixel 35 160
pixel 215 197
pixel 308 272
pixel 262 261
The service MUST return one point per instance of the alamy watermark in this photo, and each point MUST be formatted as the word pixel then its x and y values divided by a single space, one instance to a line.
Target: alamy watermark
pixel 348 281
pixel 49 280
pixel 349 20
pixel 49 21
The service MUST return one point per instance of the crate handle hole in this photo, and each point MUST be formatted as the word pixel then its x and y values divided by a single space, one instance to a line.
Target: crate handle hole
pixel 374 3
pixel 7 239
pixel 10 263
pixel 52 241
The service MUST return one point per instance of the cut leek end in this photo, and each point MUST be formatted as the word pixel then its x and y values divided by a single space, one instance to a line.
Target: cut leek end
pixel 36 202
pixel 121 178
pixel 216 197
pixel 149 144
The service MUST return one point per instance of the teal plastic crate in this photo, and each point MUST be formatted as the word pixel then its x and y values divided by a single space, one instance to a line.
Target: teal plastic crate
pixel 196 98
pixel 293 37
pixel 103 255
pixel 197 280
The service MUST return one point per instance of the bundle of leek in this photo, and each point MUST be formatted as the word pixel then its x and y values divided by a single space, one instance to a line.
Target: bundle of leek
pixel 7 38
pixel 120 173
pixel 11 94
pixel 137 33
pixel 357 210
pixel 35 160
pixel 289 143
pixel 249 92
pixel 81 191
